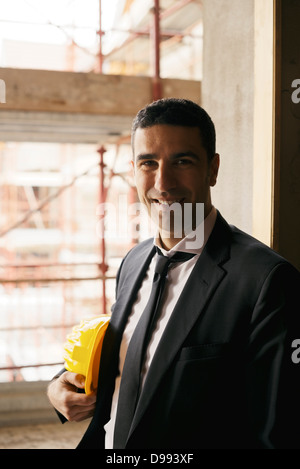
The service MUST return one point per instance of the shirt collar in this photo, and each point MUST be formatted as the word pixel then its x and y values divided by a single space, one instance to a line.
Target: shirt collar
pixel 195 241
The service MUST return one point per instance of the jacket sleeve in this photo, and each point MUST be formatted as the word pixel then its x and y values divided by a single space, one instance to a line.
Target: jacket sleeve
pixel 272 376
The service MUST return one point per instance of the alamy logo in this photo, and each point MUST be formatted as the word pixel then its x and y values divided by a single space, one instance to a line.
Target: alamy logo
pixel 122 220
pixel 2 92
pixel 295 355
pixel 296 93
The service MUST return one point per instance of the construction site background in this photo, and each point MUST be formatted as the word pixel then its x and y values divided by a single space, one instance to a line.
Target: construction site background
pixel 55 268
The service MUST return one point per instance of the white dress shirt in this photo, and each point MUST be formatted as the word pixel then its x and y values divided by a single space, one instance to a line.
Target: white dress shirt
pixel 178 274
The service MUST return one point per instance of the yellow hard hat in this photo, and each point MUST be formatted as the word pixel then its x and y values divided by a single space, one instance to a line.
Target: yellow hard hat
pixel 83 349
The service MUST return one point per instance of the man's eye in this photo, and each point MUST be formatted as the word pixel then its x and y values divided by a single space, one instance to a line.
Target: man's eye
pixel 147 163
pixel 183 161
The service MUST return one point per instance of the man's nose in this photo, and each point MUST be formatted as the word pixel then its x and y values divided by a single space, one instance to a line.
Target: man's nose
pixel 165 179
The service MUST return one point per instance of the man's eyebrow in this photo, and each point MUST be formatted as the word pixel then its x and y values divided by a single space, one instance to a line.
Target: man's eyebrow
pixel 174 156
pixel 145 156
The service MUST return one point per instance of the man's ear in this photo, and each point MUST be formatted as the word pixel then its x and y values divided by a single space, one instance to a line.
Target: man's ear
pixel 214 169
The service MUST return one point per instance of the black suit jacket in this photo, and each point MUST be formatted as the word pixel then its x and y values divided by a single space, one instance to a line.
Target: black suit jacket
pixel 222 376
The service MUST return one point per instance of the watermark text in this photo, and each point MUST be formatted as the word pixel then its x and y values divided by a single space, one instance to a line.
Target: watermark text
pixel 121 220
pixel 296 353
pixel 296 93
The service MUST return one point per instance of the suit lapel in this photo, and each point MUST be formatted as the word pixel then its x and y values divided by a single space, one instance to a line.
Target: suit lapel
pixel 201 285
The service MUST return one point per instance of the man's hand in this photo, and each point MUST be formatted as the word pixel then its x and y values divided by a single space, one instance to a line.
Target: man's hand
pixel 63 395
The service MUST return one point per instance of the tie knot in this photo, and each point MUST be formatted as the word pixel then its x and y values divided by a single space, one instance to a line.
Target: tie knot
pixel 163 262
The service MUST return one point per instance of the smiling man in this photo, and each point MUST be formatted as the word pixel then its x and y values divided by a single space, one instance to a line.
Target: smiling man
pixel 198 350
pixel 172 169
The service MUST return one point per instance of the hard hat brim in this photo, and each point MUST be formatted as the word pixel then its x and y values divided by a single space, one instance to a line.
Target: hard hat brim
pixel 91 381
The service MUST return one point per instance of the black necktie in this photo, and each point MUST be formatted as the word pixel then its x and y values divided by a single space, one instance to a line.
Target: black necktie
pixel 130 382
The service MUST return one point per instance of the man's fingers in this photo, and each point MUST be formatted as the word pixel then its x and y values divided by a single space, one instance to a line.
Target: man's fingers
pixel 63 395
pixel 80 399
pixel 71 404
pixel 75 379
pixel 77 414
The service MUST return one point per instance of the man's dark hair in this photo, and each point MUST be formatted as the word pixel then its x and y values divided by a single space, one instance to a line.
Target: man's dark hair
pixel 183 112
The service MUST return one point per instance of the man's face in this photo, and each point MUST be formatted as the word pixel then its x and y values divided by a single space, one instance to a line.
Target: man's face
pixel 171 165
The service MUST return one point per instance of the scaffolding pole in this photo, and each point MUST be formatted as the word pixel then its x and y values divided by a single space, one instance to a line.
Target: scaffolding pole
pixel 155 33
pixel 100 32
pixel 102 197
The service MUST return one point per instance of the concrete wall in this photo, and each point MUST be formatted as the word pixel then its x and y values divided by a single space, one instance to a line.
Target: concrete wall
pixel 228 96
pixel 25 403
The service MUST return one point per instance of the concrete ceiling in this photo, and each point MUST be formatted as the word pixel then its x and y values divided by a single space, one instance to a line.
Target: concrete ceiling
pixel 29 126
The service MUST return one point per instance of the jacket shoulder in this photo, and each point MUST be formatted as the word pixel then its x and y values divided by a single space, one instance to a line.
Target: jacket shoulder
pixel 247 251
pixel 252 252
